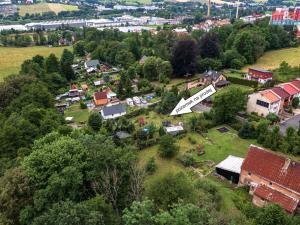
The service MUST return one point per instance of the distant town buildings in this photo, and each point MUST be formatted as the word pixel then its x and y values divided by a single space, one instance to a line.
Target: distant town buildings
pixel 117 22
pixel 210 24
pixel 253 18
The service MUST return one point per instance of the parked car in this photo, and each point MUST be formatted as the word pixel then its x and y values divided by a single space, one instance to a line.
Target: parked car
pixel 129 101
pixel 136 100
pixel 143 101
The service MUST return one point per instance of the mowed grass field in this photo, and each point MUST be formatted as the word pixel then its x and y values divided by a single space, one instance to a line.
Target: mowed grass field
pixel 272 59
pixel 11 59
pixel 45 7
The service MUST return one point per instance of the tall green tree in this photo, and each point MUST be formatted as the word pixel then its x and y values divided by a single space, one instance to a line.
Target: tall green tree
pixel 184 58
pixel 52 64
pixel 226 104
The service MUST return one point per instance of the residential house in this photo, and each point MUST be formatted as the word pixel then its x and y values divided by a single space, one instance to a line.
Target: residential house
pixel 92 64
pixel 100 98
pixel 217 79
pixel 113 111
pixel 259 75
pixel 296 84
pixel 291 89
pixel 284 96
pixel 111 96
pixel 213 77
pixel 264 103
pixel 272 178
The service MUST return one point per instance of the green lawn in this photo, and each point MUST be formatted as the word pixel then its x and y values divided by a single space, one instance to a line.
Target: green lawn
pixel 80 115
pixel 217 147
pixel 12 58
pixel 45 7
pixel 246 89
pixel 272 59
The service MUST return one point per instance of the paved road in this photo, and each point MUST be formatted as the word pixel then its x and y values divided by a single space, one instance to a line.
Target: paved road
pixel 292 122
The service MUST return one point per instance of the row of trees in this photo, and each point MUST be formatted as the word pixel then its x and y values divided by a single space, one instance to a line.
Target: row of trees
pixel 54 38
pixel 230 46
pixel 272 138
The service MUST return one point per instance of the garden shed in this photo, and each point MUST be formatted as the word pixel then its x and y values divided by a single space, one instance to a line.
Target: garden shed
pixel 230 168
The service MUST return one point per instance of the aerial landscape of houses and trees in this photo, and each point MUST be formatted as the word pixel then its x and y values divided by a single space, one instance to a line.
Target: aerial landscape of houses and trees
pixel 149 112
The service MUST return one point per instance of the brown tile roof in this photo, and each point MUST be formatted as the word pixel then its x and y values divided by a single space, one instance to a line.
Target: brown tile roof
pixel 273 167
pixel 100 95
pixel 270 96
pixel 280 92
pixel 271 195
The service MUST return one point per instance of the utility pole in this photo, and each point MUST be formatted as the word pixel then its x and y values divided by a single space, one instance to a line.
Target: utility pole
pixel 208 8
pixel 237 9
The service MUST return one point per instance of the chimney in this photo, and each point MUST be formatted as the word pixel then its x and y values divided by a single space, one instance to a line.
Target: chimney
pixel 269 197
pixel 286 165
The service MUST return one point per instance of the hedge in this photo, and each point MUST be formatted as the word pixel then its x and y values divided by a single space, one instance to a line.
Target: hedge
pixel 245 82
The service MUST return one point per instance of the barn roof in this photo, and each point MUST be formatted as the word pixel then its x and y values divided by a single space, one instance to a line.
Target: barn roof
pixel 271 195
pixel 232 164
pixel 273 167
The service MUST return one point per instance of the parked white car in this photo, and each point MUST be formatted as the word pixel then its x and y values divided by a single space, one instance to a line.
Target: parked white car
pixel 129 101
pixel 136 100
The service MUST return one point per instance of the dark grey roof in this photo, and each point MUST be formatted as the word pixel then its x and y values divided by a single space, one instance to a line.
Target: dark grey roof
pixel 114 109
pixel 92 63
pixel 212 74
pixel 222 83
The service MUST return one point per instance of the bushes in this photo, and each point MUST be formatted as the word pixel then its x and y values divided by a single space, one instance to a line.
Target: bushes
pixel 151 166
pixel 167 147
pixel 187 159
pixel 295 102
pixel 273 117
pixel 249 83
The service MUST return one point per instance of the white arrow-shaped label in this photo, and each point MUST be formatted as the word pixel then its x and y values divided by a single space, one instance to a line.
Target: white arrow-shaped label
pixel 184 106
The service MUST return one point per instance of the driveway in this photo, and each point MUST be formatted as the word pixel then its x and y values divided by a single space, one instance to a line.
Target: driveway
pixel 292 122
pixel 201 108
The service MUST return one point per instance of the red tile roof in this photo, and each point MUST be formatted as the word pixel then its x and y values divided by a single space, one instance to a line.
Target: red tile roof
pixel 290 89
pixel 296 83
pixel 100 95
pixel 270 96
pixel 280 92
pixel 260 73
pixel 271 195
pixel 273 167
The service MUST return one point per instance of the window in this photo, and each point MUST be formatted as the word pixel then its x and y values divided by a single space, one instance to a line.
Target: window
pixel 262 103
